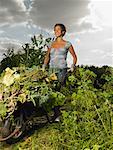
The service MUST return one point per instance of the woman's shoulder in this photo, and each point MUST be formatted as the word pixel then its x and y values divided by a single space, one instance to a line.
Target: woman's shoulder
pixel 50 44
pixel 68 44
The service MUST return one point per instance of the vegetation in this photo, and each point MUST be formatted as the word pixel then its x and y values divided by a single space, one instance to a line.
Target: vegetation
pixel 87 113
pixel 31 54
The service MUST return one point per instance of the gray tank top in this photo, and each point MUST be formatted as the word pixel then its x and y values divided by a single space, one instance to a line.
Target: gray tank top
pixel 58 56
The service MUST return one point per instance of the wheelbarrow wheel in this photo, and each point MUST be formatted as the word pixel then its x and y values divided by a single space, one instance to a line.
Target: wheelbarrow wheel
pixel 19 125
pixel 18 130
pixel 11 131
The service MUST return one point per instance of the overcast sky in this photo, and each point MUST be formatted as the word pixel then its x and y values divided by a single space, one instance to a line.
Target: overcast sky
pixel 88 22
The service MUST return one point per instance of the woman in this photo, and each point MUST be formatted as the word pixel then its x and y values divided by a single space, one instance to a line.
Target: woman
pixel 57 54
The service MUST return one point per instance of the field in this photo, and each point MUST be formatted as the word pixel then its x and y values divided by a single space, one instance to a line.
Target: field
pixel 87 101
pixel 87 120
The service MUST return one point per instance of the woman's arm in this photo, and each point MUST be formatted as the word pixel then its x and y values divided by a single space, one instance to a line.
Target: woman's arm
pixel 47 56
pixel 71 49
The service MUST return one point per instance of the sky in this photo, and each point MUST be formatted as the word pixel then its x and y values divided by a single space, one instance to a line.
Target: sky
pixel 88 24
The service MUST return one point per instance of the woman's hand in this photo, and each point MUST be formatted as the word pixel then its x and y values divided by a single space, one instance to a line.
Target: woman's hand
pixel 43 67
pixel 72 67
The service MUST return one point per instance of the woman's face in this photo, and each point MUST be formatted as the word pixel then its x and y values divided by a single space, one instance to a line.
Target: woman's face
pixel 58 31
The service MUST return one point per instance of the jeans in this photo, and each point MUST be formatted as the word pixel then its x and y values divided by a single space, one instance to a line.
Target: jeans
pixel 61 75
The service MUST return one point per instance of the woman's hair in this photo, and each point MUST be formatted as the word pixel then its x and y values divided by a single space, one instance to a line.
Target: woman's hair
pixel 62 26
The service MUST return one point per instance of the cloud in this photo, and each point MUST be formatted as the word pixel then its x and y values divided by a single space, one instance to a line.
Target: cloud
pixel 1 31
pixel 12 11
pixel 79 16
pixel 6 43
pixel 28 4
pixel 99 18
pixel 88 25
pixel 99 51
pixel 100 14
pixel 94 47
pixel 19 31
pixel 46 13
